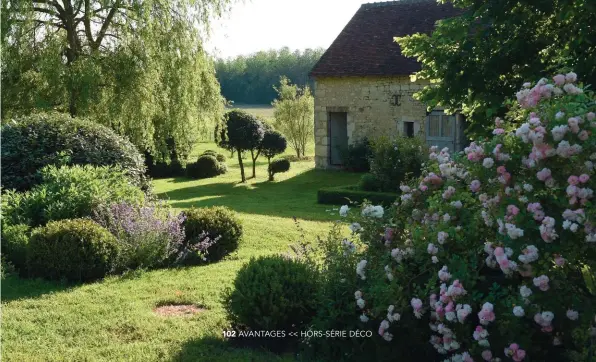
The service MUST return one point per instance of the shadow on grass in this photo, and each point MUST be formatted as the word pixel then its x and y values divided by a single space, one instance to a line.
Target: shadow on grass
pixel 293 197
pixel 215 349
pixel 14 288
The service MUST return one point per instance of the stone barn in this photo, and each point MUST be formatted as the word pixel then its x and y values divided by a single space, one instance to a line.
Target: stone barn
pixel 363 87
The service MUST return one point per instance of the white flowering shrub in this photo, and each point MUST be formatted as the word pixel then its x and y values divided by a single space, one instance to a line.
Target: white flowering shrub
pixel 491 254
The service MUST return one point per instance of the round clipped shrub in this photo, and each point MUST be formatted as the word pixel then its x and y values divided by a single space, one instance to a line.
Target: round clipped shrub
pixel 33 142
pixel 222 168
pixel 15 240
pixel 277 166
pixel 221 157
pixel 273 293
pixel 217 222
pixel 75 250
pixel 210 152
pixel 369 182
pixel 205 167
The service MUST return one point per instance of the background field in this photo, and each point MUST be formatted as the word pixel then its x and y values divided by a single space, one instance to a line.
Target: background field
pixel 259 110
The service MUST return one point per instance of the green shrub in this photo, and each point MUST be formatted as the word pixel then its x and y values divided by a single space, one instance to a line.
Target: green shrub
pixel 6 267
pixel 161 169
pixel 341 195
pixel 222 168
pixel 33 142
pixel 273 293
pixel 15 240
pixel 210 152
pixel 217 221
pixel 356 156
pixel 277 166
pixel 369 182
pixel 394 161
pixel 221 158
pixel 205 167
pixel 69 192
pixel 75 250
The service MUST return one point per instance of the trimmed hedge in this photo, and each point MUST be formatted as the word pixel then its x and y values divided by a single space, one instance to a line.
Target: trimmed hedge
pixel 338 195
pixel 15 240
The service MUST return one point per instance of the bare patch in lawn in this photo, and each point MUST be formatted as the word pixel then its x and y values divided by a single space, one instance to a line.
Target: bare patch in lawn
pixel 177 309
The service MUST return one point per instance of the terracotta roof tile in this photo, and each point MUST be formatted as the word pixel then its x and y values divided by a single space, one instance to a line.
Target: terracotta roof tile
pixel 366 47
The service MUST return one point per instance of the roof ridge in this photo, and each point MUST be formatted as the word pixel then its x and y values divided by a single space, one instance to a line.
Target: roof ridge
pixel 394 2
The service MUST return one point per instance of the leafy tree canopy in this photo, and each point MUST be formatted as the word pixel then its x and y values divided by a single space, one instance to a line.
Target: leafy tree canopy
pixel 137 66
pixel 295 114
pixel 477 59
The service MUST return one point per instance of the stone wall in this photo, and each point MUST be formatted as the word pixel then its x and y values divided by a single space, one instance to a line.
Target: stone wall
pixel 368 103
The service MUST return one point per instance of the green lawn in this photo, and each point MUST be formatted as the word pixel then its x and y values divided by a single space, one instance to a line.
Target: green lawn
pixel 113 320
pixel 261 110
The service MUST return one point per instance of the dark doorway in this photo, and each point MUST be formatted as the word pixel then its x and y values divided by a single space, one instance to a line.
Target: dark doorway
pixel 409 129
pixel 338 136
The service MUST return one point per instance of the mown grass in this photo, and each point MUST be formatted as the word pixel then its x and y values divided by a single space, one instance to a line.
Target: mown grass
pixel 112 320
pixel 261 110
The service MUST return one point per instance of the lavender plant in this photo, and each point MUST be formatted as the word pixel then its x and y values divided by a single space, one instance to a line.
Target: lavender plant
pixel 151 235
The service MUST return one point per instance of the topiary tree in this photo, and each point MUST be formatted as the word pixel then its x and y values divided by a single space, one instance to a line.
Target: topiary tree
pixel 244 132
pixel 76 250
pixel 32 142
pixel 273 144
pixel 277 166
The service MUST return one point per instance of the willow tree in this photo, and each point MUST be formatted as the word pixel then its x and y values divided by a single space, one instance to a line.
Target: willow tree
pixel 137 66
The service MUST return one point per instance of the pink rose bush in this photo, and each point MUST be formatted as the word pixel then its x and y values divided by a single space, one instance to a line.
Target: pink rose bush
pixel 492 250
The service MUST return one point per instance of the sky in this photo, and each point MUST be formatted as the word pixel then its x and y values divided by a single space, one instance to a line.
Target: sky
pixel 272 24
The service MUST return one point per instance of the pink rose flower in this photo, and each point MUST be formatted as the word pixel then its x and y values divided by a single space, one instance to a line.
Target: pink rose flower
pixel 559 79
pixel 487 355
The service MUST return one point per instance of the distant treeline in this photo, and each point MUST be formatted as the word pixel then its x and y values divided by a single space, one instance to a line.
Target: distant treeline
pixel 250 79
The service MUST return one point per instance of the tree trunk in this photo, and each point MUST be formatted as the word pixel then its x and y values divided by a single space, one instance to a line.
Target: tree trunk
pixel 269 169
pixel 241 166
pixel 254 161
